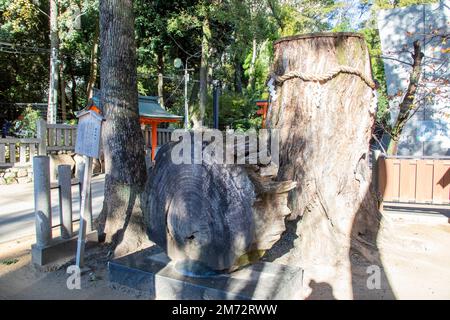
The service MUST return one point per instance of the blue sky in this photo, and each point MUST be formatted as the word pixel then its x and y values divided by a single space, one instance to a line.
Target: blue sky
pixel 351 9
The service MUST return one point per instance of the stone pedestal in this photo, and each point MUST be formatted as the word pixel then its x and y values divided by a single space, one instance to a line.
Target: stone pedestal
pixel 59 250
pixel 151 271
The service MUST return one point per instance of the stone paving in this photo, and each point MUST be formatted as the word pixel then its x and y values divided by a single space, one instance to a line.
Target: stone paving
pixel 17 207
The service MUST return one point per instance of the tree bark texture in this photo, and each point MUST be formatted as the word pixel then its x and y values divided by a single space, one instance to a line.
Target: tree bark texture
pixel 94 63
pixel 122 138
pixel 237 76
pixel 252 79
pixel 54 65
pixel 325 129
pixel 62 89
pixel 221 216
pixel 203 90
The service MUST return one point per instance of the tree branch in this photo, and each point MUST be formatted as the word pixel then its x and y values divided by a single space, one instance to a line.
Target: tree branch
pixel 275 15
pixel 407 104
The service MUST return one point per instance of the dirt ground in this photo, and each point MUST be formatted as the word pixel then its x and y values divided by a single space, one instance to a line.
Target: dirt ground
pixel 415 260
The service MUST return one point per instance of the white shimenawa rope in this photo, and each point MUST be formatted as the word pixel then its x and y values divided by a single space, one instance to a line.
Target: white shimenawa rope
pixel 305 76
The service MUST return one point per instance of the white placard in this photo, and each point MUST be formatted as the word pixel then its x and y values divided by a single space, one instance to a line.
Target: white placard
pixel 89 134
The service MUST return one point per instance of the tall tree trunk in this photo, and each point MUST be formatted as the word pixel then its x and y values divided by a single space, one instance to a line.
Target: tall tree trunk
pixel 73 84
pixel 237 75
pixel 193 96
pixel 54 66
pixel 325 129
pixel 94 63
pixel 273 6
pixel 407 107
pixel 251 79
pixel 161 78
pixel 203 92
pixel 122 138
pixel 74 91
pixel 62 90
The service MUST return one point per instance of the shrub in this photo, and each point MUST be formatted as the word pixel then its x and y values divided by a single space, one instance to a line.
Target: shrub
pixel 25 126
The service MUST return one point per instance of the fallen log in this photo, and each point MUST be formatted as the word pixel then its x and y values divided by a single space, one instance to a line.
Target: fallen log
pixel 215 214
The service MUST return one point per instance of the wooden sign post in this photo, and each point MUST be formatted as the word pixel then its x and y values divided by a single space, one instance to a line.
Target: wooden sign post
pixel 88 145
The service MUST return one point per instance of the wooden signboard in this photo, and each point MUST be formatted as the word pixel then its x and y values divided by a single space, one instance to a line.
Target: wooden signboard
pixel 89 134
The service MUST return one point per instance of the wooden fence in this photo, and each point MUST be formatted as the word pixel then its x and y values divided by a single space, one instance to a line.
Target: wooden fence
pixel 164 136
pixel 53 138
pixel 414 180
pixel 17 151
pixel 57 137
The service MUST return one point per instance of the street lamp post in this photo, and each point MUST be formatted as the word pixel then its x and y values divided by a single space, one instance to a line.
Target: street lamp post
pixel 178 63
pixel 186 106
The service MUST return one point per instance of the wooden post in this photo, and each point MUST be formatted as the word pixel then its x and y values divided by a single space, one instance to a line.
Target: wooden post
pixel 2 153
pixel 375 171
pixel 42 203
pixel 66 137
pixel 12 153
pixel 58 132
pixel 84 208
pixel 88 213
pixel 42 136
pixel 73 137
pixel 32 151
pixel 154 138
pixel 65 200
pixel 22 153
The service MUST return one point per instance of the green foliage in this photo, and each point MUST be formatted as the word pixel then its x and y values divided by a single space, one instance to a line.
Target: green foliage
pixel 236 111
pixel 166 30
pixel 23 76
pixel 25 126
pixel 374 45
pixel 24 70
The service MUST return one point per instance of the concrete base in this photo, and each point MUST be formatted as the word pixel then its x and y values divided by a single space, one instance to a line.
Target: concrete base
pixel 153 273
pixel 60 249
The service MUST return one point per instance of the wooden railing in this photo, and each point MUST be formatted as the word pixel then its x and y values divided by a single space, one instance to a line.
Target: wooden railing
pixel 52 138
pixel 57 137
pixel 414 180
pixel 17 151
pixel 164 136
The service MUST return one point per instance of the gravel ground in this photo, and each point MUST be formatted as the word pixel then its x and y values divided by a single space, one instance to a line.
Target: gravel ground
pixel 414 256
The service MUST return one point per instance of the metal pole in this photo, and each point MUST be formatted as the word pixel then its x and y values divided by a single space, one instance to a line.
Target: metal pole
pixel 65 200
pixel 216 105
pixel 186 107
pixel 84 205
pixel 42 201
pixel 54 64
pixel 88 213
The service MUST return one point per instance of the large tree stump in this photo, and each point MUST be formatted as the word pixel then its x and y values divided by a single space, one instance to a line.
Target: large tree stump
pixel 325 128
pixel 216 215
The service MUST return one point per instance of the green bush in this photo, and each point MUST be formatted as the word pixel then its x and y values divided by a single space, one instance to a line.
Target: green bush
pixel 236 111
pixel 25 126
